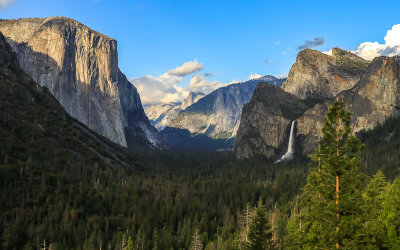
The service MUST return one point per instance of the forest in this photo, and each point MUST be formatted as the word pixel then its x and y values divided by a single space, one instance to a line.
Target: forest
pixel 344 196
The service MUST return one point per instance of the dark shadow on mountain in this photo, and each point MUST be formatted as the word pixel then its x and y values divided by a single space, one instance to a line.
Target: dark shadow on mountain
pixel 183 140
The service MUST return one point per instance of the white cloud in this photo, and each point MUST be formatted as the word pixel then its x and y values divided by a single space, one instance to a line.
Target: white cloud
pixel 391 47
pixel 200 83
pixel 5 3
pixel 328 52
pixel 186 69
pixel 277 43
pixel 161 89
pixel 164 88
pixel 254 76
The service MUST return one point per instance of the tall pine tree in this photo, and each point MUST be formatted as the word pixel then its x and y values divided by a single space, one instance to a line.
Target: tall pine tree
pixel 260 235
pixel 391 215
pixel 331 213
pixel 372 234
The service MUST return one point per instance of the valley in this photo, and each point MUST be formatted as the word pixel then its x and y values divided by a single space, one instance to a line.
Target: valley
pixel 87 162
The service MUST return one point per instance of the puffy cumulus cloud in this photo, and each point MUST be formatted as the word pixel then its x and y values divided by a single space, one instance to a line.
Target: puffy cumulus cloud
pixel 254 76
pixel 328 52
pixel 186 69
pixel 199 83
pixel 165 88
pixel 161 89
pixel 318 41
pixel 6 3
pixel 391 47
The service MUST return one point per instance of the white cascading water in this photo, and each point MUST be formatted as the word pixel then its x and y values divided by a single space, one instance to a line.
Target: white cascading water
pixel 289 153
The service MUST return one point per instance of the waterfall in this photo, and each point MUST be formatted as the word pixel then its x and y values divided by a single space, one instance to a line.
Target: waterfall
pixel 289 153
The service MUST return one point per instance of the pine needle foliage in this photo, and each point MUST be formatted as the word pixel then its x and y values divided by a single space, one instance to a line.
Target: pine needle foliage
pixel 333 193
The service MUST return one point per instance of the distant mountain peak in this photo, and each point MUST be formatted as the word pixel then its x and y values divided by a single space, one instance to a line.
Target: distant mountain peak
pixel 192 98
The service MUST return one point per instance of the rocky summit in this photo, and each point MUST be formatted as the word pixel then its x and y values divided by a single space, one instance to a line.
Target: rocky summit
pixel 315 74
pixel 80 68
pixel 371 101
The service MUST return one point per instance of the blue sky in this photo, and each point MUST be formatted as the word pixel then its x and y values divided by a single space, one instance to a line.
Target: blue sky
pixel 230 39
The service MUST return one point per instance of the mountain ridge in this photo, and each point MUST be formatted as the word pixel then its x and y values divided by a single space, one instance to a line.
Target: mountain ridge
pixel 216 116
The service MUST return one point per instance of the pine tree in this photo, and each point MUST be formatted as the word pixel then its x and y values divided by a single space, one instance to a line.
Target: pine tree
pixel 391 214
pixel 260 230
pixel 332 196
pixel 129 244
pixel 372 234
pixel 196 243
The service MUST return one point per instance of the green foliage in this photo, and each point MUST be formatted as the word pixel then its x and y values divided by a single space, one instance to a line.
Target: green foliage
pixel 332 195
pixel 372 234
pixel 390 215
pixel 260 229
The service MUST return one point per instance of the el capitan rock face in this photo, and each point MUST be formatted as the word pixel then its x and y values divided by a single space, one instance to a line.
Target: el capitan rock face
pixel 80 68
pixel 37 132
pixel 315 74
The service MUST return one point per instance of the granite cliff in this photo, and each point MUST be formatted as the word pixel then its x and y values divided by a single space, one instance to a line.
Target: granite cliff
pixel 80 68
pixel 266 121
pixel 315 74
pixel 371 100
pixel 36 132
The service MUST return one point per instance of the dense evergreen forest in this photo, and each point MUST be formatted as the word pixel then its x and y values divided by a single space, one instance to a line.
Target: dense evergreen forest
pixel 208 200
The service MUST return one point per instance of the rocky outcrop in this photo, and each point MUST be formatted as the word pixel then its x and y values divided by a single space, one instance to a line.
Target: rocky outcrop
pixel 266 120
pixel 80 68
pixel 315 74
pixel 371 101
pixel 161 114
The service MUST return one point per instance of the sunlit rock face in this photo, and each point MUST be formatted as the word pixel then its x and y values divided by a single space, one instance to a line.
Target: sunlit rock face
pixel 80 68
pixel 315 74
